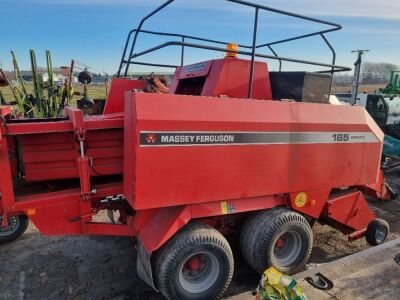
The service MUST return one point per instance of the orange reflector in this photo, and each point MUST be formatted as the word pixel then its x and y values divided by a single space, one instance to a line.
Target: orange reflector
pixel 232 47
pixel 31 212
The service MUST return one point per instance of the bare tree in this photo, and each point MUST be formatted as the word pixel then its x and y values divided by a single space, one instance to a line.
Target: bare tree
pixel 342 79
pixel 377 72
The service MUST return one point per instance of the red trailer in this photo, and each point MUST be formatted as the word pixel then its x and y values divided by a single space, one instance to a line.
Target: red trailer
pixel 180 171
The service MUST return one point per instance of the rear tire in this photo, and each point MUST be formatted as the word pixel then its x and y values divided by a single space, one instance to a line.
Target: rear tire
pixel 197 263
pixel 277 237
pixel 16 227
pixel 377 232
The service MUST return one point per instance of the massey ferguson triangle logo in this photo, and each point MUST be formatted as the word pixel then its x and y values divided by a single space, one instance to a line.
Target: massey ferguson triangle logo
pixel 151 138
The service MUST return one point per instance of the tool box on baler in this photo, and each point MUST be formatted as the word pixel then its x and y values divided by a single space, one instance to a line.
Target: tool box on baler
pixel 301 86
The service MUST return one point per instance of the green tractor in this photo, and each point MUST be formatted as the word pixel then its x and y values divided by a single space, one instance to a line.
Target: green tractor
pixel 393 87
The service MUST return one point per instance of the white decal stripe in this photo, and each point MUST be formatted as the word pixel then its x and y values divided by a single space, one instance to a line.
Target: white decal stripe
pixel 200 138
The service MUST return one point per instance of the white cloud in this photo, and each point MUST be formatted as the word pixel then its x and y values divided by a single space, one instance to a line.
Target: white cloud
pixel 374 30
pixel 383 9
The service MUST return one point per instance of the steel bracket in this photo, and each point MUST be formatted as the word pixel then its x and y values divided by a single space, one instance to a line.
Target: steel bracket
pixel 4 222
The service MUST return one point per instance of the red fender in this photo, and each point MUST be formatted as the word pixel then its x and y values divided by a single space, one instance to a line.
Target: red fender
pixel 155 227
pixel 163 225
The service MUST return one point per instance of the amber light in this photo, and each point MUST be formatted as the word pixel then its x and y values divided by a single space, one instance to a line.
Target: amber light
pixel 232 47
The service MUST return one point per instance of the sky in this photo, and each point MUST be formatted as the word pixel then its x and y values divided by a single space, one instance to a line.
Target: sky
pixel 94 31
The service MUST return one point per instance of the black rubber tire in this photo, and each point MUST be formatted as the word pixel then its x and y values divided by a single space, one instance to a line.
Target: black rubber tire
pixel 392 193
pixel 23 225
pixel 261 232
pixel 85 77
pixel 192 239
pixel 370 234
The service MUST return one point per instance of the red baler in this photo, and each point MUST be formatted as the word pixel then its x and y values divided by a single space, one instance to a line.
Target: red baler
pixel 184 169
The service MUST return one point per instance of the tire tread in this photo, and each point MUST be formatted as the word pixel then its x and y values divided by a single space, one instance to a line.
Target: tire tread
pixel 265 224
pixel 15 235
pixel 192 234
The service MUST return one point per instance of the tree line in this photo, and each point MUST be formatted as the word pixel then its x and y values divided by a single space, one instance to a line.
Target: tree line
pixel 371 73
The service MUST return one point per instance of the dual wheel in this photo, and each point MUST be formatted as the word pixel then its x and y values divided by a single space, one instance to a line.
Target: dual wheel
pixel 197 263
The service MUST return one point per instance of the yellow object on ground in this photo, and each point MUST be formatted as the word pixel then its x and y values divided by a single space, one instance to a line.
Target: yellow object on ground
pixel 275 285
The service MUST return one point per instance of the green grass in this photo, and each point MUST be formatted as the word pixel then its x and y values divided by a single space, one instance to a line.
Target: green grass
pixel 94 92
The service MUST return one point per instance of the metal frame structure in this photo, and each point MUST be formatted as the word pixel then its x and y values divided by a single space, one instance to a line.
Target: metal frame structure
pixel 129 56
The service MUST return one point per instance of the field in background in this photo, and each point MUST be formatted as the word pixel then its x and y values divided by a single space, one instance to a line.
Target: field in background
pixel 99 92
pixel 94 91
pixel 363 88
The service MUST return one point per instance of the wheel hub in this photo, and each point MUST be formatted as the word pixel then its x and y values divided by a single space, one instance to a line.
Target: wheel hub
pixel 199 272
pixel 287 248
pixel 195 263
pixel 13 223
pixel 280 243
pixel 380 234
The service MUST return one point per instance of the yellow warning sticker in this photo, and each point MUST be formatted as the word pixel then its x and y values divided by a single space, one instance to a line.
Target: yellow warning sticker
pixel 224 208
pixel 301 199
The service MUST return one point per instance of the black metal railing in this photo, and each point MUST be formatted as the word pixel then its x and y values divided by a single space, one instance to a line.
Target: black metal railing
pixel 128 57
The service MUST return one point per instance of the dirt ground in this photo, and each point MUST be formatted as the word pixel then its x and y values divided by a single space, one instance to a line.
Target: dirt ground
pixel 363 88
pixel 38 267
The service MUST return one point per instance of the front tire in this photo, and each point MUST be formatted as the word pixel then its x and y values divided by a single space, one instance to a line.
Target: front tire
pixel 16 227
pixel 197 263
pixel 377 232
pixel 276 237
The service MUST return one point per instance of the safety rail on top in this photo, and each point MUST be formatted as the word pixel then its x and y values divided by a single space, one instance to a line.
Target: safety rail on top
pixel 129 56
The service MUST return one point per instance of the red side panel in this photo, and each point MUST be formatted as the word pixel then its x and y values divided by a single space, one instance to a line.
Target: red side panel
pixel 379 190
pixel 227 77
pixel 54 219
pixel 48 156
pixel 12 151
pixel 115 99
pixel 303 147
pixel 53 156
pixel 349 209
pixel 231 77
pixel 60 212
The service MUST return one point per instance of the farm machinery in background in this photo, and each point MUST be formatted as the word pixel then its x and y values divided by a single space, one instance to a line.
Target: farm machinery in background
pixel 223 152
pixel 383 106
pixel 393 87
pixel 48 97
pixel 391 96
pixel 391 148
pixel 385 110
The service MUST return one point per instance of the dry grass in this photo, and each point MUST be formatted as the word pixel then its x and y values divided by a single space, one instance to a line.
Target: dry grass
pixel 99 92
pixel 363 88
pixel 95 92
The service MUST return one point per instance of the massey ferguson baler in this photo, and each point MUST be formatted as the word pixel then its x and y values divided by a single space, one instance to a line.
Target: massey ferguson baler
pixel 180 171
